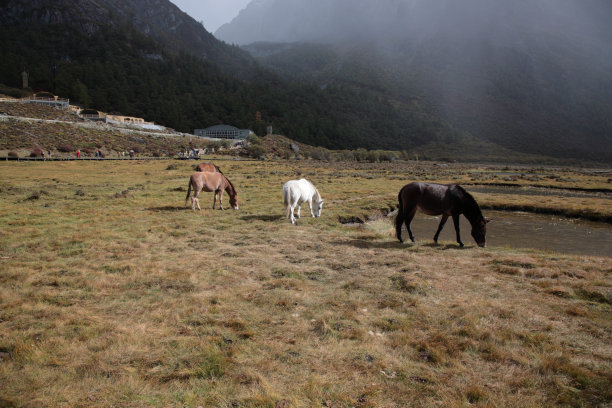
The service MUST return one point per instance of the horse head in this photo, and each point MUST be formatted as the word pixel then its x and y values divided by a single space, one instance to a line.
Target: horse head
pixel 318 206
pixel 233 199
pixel 479 232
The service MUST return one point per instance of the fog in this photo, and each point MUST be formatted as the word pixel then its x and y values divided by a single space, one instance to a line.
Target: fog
pixel 521 73
pixel 212 13
pixel 585 23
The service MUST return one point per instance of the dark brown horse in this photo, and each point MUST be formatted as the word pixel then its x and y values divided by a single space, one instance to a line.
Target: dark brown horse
pixel 435 199
pixel 208 167
pixel 216 182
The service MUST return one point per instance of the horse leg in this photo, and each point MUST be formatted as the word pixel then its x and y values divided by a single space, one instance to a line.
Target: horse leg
pixel 299 206
pixel 408 220
pixel 442 222
pixel 214 200
pixel 399 221
pixel 194 199
pixel 221 199
pixel 456 222
pixel 310 205
pixel 292 208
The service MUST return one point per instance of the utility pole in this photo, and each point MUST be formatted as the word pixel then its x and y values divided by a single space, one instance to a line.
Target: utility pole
pixel 24 79
pixel 54 72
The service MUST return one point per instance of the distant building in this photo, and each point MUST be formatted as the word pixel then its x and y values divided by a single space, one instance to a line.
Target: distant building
pixel 222 132
pixel 130 120
pixel 46 98
pixel 92 114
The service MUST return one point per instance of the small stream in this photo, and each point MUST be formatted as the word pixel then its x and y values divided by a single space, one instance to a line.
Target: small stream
pixel 525 230
pixel 536 191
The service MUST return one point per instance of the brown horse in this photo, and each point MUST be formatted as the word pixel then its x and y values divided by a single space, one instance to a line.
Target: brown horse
pixel 435 199
pixel 216 182
pixel 208 167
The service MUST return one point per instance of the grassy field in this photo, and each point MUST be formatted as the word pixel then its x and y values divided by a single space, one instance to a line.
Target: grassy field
pixel 114 294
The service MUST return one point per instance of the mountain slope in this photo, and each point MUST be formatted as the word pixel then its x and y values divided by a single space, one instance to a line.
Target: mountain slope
pixel 158 19
pixel 534 76
pixel 93 53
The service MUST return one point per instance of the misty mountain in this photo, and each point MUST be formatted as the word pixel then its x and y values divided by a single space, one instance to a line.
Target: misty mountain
pixel 534 75
pixel 334 21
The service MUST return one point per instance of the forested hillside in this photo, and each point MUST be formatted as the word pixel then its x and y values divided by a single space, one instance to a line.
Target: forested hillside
pixel 102 60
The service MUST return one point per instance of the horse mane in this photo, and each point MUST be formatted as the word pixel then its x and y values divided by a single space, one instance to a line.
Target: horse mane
pixel 470 199
pixel 229 182
pixel 317 193
pixel 219 170
pixel 315 189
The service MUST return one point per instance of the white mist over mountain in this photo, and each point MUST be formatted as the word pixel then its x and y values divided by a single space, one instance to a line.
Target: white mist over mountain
pixel 341 20
pixel 507 71
pixel 212 13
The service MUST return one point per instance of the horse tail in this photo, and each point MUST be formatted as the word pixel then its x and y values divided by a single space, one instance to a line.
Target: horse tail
pixel 399 220
pixel 286 200
pixel 188 191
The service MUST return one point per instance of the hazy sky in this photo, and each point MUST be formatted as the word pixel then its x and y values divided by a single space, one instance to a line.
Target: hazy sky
pixel 213 13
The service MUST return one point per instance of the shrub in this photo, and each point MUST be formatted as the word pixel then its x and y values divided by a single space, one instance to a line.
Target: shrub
pixel 66 148
pixel 320 154
pixel 373 156
pixel 214 145
pixel 137 149
pixel 386 155
pixel 360 154
pixel 36 153
pixel 255 150
pixel 12 154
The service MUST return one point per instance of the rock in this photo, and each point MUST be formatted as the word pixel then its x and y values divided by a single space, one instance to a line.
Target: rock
pixel 350 220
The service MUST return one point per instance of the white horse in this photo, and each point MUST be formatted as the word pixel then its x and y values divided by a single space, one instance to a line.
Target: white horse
pixel 296 192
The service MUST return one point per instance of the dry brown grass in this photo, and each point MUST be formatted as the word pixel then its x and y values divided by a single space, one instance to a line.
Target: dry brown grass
pixel 129 299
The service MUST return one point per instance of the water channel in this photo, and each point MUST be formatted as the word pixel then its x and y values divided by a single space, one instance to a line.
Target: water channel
pixel 526 230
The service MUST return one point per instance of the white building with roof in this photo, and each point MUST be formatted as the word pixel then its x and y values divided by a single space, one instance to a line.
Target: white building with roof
pixel 222 132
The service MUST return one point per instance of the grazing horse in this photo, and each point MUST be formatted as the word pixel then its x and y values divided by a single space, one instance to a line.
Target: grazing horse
pixel 296 192
pixel 435 199
pixel 216 182
pixel 213 168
